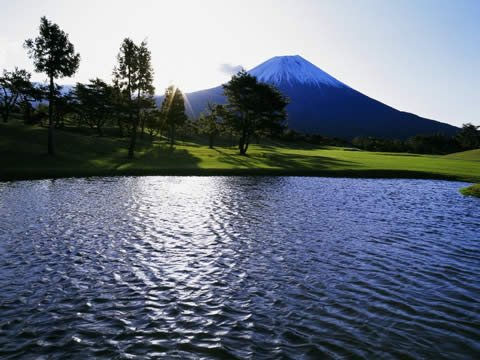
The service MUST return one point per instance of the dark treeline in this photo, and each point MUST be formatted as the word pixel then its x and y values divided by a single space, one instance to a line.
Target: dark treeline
pixel 125 107
pixel 466 139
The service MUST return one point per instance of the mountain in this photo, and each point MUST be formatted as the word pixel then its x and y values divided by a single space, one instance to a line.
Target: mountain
pixel 321 104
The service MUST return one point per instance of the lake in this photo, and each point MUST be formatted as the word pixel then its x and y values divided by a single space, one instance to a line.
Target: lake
pixel 239 268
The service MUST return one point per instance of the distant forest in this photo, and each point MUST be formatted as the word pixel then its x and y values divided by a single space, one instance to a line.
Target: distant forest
pixel 126 105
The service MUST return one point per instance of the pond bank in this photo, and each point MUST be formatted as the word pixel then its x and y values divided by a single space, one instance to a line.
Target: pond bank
pixel 473 190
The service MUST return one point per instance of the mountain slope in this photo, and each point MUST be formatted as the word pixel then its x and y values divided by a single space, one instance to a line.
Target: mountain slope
pixel 321 104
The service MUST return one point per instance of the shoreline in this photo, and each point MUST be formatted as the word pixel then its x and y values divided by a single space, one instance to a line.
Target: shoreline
pixel 25 175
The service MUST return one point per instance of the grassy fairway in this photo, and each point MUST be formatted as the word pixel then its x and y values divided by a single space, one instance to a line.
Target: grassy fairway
pixel 465 155
pixel 24 156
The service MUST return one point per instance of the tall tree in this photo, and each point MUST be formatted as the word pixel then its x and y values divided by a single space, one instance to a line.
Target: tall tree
pixel 53 54
pixel 145 90
pixel 125 77
pixel 173 109
pixel 12 85
pixel 134 76
pixel 253 107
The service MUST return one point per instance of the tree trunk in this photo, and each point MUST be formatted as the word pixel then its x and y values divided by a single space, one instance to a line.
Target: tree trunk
pixel 27 112
pixel 5 106
pixel 5 115
pixel 133 134
pixel 133 140
pixel 120 127
pixel 243 142
pixel 241 145
pixel 172 135
pixel 51 120
pixel 210 141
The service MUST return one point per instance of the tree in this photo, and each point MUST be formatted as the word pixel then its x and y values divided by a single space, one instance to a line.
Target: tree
pixel 209 124
pixel 12 85
pixel 469 136
pixel 146 90
pixel 253 107
pixel 53 54
pixel 154 122
pixel 134 76
pixel 125 76
pixel 29 95
pixel 173 109
pixel 64 105
pixel 95 103
pixel 121 109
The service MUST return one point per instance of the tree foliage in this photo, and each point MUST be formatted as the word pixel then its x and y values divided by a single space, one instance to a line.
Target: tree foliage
pixel 173 110
pixel 53 54
pixel 133 75
pixel 209 124
pixel 253 108
pixel 469 136
pixel 95 103
pixel 13 84
pixel 154 122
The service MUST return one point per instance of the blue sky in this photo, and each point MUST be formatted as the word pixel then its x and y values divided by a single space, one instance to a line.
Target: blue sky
pixel 420 56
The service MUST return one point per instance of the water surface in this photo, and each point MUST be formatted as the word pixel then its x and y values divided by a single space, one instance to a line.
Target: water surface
pixel 238 267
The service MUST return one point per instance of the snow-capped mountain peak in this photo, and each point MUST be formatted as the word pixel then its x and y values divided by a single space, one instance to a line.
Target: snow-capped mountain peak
pixel 293 69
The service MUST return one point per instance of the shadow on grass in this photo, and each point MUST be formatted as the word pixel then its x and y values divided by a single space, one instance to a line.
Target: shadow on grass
pixel 293 161
pixel 163 156
pixel 285 161
pixel 398 154
pixel 239 160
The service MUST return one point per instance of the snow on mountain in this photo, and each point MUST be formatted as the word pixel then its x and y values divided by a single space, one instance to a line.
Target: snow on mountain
pixel 293 70
pixel 320 104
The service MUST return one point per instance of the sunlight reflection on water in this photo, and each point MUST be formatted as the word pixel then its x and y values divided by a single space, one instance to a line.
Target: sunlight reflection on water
pixel 225 267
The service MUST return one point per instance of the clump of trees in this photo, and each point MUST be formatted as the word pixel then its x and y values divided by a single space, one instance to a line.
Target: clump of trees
pixel 209 122
pixel 95 103
pixel 467 138
pixel 291 135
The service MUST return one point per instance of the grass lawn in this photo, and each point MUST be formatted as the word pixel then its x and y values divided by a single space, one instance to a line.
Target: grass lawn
pixel 473 190
pixel 465 155
pixel 23 156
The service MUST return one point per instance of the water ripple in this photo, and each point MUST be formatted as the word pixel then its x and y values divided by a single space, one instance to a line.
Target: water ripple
pixel 238 268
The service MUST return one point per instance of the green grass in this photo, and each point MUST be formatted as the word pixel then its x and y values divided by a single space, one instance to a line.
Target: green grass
pixel 473 190
pixel 465 155
pixel 23 156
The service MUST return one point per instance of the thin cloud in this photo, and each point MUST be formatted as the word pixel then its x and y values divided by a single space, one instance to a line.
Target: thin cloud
pixel 230 69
